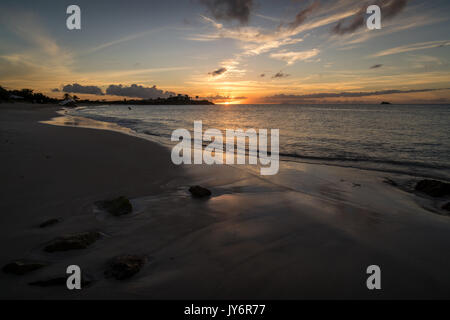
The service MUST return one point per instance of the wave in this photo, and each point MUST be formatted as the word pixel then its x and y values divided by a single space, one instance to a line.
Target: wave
pixel 371 160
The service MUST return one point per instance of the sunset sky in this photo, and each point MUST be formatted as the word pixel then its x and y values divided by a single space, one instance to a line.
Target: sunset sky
pixel 239 51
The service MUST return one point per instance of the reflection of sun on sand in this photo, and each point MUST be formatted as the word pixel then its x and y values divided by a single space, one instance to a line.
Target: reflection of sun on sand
pixel 308 232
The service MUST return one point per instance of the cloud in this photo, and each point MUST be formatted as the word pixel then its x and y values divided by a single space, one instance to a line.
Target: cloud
pixel 218 72
pixel 292 57
pixel 55 90
pixel 257 40
pixel 389 9
pixel 293 98
pixel 376 66
pixel 412 47
pixel 262 75
pixel 220 97
pixel 137 91
pixel 121 40
pixel 356 23
pixel 302 15
pixel 280 75
pixel 78 88
pixel 228 10
pixel 392 8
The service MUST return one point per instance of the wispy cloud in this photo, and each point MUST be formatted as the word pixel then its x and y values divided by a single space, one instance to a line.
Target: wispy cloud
pixel 291 57
pixel 389 9
pixel 322 95
pixel 412 47
pixel 120 40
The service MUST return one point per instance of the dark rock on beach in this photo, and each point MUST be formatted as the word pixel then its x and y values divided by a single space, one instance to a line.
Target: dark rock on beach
pixel 199 192
pixel 21 267
pixel 49 223
pixel 117 207
pixel 125 266
pixel 73 241
pixel 433 188
pixel 446 207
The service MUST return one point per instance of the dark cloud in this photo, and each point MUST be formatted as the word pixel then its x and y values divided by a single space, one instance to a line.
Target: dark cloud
pixel 137 91
pixel 78 88
pixel 302 15
pixel 218 72
pixel 280 75
pixel 376 66
pixel 356 23
pixel 284 97
pixel 228 10
pixel 389 9
pixel 55 90
pixel 262 75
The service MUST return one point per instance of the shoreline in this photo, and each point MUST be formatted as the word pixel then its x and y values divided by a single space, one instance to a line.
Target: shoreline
pixel 415 170
pixel 308 232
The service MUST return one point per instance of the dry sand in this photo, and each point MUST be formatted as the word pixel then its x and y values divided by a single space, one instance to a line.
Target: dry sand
pixel 283 237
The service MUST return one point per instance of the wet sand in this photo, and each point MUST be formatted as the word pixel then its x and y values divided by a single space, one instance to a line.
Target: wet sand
pixel 308 232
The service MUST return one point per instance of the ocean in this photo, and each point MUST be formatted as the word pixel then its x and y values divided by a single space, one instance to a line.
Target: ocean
pixel 405 139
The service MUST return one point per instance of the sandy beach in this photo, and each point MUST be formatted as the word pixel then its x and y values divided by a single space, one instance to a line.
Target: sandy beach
pixel 307 236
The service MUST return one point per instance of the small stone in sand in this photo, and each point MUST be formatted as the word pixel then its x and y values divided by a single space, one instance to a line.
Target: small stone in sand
pixel 433 188
pixel 21 267
pixel 49 223
pixel 125 266
pixel 73 242
pixel 199 192
pixel 117 207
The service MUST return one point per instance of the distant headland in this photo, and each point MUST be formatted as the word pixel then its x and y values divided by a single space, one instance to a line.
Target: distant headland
pixel 27 95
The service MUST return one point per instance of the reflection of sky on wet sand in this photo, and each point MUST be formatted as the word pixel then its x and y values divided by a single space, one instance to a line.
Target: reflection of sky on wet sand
pixel 74 121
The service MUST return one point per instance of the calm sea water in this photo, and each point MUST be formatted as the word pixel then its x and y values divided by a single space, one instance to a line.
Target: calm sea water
pixel 411 139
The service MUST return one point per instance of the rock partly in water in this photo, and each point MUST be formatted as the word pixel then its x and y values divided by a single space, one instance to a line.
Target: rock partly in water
pixel 73 241
pixel 433 188
pixel 48 223
pixel 117 207
pixel 446 207
pixel 125 266
pixel 21 267
pixel 199 192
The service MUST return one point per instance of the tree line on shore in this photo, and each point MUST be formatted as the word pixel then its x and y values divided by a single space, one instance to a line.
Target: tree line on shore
pixel 27 95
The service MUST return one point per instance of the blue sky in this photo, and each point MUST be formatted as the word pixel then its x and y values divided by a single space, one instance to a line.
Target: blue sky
pixel 238 51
